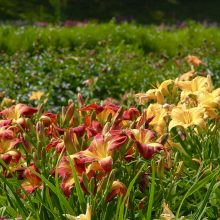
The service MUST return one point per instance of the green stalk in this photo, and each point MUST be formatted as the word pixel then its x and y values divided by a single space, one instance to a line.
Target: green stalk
pixel 152 189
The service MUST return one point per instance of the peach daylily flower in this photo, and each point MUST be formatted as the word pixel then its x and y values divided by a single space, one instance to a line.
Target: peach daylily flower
pixel 32 181
pixel 167 213
pixel 8 140
pixel 187 117
pixel 194 60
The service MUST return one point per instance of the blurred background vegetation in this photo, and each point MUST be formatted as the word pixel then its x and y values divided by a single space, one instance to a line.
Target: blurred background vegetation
pixel 142 11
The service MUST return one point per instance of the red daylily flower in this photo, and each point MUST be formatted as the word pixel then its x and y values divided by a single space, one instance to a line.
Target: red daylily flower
pixel 32 181
pixel 117 189
pixel 57 143
pixel 131 114
pixel 17 111
pixel 66 173
pixel 101 150
pixel 7 140
pixel 143 139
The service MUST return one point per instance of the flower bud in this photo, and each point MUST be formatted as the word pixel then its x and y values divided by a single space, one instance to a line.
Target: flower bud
pixel 45 120
pixel 40 131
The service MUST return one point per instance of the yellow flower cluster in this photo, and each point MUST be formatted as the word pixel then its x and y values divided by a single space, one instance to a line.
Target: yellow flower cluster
pixel 187 101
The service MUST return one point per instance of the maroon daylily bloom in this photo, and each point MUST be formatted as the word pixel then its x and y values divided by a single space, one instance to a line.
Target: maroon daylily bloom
pixel 143 139
pixel 117 189
pixel 131 114
pixel 66 173
pixel 56 143
pixel 79 131
pixel 93 106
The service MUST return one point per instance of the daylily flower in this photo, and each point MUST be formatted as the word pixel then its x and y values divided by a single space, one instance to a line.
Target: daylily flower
pixel 101 150
pixel 167 213
pixel 158 113
pixel 57 143
pixel 65 171
pixel 7 101
pixel 187 117
pixel 87 216
pixel 102 112
pixel 36 95
pixel 158 94
pixel 210 101
pixel 144 141
pixel 16 112
pixel 7 140
pixel 194 60
pixel 32 181
pixel 199 83
pixel 117 189
pixel 131 114
pixel 93 127
pixel 187 76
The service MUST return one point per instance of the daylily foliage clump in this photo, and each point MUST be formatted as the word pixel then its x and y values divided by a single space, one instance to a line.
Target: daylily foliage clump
pixel 113 157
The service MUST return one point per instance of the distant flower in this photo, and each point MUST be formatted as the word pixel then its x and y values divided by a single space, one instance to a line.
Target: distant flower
pixel 193 60
pixel 36 95
pixel 7 101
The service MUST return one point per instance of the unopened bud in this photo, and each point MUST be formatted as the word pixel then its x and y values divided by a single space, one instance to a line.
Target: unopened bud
pixel 80 100
pixel 160 168
pixel 46 120
pixel 40 131
pixel 69 113
pixel 179 168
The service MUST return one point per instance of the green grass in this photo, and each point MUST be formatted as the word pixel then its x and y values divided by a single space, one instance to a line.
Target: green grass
pixel 117 58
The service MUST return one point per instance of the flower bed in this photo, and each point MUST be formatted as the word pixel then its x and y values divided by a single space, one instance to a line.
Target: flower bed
pixel 122 162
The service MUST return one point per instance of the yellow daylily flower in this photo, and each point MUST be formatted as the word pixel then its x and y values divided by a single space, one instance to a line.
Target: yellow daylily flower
pixel 159 114
pixel 87 216
pixel 187 117
pixel 7 101
pixel 199 83
pixel 187 76
pixel 157 94
pixel 209 99
pixel 36 95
